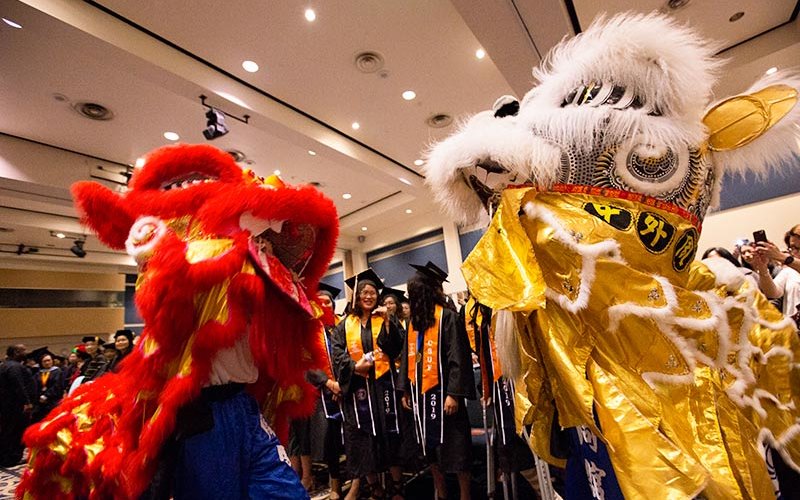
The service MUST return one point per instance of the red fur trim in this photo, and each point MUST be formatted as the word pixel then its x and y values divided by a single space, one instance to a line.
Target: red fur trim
pixel 104 212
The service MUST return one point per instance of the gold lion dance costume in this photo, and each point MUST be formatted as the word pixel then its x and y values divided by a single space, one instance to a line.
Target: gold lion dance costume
pixel 228 267
pixel 675 378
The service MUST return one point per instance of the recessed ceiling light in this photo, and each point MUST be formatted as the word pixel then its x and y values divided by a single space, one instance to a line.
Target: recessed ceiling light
pixel 356 125
pixel 347 196
pixel 61 235
pixel 363 228
pixel 409 95
pixel 480 53
pixel 171 136
pixel 419 163
pixel 736 17
pixel 277 172
pixel 12 23
pixel 404 180
pixel 310 15
pixel 408 210
pixel 250 66
pixel 139 162
pixel 772 70
pixel 312 153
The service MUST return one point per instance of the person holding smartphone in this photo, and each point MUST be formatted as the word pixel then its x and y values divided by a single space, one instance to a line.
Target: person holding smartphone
pixel 787 279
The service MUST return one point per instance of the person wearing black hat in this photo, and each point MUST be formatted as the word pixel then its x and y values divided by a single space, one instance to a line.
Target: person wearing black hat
pixel 364 345
pixel 437 378
pixel 123 344
pixel 17 395
pixel 319 437
pixel 98 364
pixel 49 382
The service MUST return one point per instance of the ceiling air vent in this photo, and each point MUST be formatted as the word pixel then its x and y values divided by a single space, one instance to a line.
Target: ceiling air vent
pixel 93 111
pixel 439 120
pixel 369 61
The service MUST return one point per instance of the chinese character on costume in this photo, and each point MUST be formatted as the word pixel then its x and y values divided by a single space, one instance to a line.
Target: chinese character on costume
pixel 674 378
pixel 226 260
pixel 436 377
pixel 364 346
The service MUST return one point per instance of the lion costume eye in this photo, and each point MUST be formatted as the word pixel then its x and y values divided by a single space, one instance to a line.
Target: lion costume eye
pixel 505 106
pixel 596 94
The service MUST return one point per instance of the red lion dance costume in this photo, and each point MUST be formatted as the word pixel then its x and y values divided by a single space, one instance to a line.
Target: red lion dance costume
pixel 225 258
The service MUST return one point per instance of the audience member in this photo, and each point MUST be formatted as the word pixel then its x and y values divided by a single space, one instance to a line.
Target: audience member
pixel 49 387
pixel 17 395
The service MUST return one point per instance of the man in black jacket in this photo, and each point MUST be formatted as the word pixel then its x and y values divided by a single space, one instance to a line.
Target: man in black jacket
pixel 17 394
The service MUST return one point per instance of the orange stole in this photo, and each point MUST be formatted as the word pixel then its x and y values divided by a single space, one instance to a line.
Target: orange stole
pixel 327 366
pixel 430 359
pixel 352 330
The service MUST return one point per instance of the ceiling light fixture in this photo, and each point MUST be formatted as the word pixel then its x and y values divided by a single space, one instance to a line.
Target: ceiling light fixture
pixel 250 66
pixel 277 172
pixel 311 16
pixel 312 153
pixel 419 163
pixel 736 17
pixel 363 228
pixel 171 136
pixel 408 210
pixel 772 70
pixel 60 236
pixel 77 249
pixel 404 180
pixel 356 125
pixel 12 23
pixel 480 53
pixel 409 95
pixel 139 163
pixel 347 196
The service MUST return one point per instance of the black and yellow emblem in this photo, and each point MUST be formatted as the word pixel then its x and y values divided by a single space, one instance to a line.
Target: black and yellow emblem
pixel 616 217
pixel 685 250
pixel 654 232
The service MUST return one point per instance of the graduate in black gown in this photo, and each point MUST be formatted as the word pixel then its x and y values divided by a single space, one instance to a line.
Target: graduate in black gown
pixel 326 423
pixel 437 362
pixel 363 347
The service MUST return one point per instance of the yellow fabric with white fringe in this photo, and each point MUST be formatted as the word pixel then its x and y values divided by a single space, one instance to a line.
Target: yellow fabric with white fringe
pixel 691 379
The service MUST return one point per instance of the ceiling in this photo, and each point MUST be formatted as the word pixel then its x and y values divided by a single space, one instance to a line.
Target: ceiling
pixel 149 61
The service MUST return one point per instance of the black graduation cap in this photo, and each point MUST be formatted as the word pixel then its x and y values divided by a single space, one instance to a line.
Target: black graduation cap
pixel 368 275
pixel 109 345
pixel 38 353
pixel 399 295
pixel 431 270
pixel 329 289
pixel 91 338
pixel 123 333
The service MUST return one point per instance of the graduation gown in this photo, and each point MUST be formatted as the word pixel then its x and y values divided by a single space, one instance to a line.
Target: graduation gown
pixel 448 442
pixel 365 440
pixel 512 454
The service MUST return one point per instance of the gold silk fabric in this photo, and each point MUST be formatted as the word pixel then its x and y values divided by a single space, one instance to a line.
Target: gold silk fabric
pixel 688 379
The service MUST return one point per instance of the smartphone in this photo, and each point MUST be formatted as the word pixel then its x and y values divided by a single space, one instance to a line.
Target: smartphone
pixel 759 236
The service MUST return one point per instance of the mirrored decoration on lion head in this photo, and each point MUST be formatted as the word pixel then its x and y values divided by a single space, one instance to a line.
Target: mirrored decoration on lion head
pixel 626 105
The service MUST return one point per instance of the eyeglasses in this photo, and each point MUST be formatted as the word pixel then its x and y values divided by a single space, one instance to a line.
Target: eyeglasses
pixel 365 293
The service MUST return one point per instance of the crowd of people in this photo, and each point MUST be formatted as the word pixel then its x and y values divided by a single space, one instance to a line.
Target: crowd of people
pixel 33 382
pixel 393 391
pixel 773 270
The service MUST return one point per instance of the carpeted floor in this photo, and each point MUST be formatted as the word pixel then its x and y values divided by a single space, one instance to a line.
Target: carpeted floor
pixel 8 481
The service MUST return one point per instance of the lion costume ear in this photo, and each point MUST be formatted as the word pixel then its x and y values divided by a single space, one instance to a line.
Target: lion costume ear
pixel 104 212
pixel 758 129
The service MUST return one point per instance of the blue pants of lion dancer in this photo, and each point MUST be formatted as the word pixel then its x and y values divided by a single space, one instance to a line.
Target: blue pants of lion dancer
pixel 240 457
